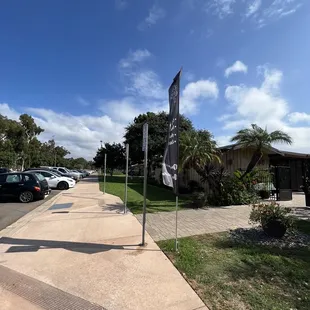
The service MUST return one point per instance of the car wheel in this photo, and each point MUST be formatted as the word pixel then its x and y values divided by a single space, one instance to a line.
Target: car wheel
pixel 25 197
pixel 63 185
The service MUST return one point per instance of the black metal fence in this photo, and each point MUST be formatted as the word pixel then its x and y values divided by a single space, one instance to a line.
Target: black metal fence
pixel 273 183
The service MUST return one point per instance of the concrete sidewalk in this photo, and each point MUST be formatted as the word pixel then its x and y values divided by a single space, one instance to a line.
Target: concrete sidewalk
pixel 89 250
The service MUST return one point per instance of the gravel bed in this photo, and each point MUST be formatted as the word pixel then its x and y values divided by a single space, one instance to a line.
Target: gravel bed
pixel 250 236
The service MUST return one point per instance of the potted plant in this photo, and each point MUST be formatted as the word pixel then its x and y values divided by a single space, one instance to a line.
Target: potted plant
pixel 273 218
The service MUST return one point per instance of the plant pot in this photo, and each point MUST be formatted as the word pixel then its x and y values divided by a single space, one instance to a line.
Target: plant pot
pixel 264 194
pixel 275 228
pixel 307 196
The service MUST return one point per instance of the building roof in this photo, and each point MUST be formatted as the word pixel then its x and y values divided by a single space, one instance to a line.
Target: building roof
pixel 270 151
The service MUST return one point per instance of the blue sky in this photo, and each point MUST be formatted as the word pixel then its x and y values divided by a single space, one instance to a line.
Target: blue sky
pixel 84 69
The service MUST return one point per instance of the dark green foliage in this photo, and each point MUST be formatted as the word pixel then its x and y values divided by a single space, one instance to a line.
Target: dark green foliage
pixel 115 157
pixel 232 192
pixel 158 128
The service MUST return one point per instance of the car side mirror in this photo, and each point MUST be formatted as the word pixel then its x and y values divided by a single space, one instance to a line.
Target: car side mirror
pixel 53 177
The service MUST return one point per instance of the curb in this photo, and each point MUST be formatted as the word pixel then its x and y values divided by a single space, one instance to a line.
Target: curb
pixel 20 223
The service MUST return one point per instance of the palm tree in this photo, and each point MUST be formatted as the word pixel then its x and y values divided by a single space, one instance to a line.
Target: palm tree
pixel 197 148
pixel 260 139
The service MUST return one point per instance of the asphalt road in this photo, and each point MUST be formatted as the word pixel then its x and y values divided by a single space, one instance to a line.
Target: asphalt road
pixel 11 211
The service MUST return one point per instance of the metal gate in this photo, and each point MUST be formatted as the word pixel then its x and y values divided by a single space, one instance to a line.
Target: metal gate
pixel 282 182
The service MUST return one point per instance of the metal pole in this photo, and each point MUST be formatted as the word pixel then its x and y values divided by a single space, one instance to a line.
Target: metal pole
pixel 126 178
pixel 105 171
pixel 145 181
pixel 176 223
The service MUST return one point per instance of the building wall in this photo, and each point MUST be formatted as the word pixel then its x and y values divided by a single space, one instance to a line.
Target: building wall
pixel 232 161
pixel 240 158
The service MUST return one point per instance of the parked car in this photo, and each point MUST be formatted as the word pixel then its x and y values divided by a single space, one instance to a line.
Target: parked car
pixel 55 180
pixel 63 170
pixel 4 170
pixel 23 185
pixel 82 175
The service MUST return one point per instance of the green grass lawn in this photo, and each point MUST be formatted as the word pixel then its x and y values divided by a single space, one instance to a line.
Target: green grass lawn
pixel 158 198
pixel 231 276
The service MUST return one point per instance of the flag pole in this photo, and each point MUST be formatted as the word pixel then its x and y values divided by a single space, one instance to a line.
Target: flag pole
pixel 177 183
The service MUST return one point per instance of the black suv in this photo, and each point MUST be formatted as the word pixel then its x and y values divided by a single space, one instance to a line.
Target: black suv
pixel 24 186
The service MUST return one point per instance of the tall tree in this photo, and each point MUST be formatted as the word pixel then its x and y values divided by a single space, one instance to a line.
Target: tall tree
pixel 259 139
pixel 158 128
pixel 30 131
pixel 198 148
pixel 115 157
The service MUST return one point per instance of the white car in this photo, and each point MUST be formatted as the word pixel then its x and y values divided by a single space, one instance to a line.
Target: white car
pixel 67 171
pixel 55 180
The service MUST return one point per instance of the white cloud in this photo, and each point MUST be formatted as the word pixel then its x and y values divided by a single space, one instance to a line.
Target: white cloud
pixel 221 8
pixel 265 106
pixel 238 66
pixel 155 14
pixel 253 8
pixel 196 92
pixel 275 11
pixel 122 111
pixel 146 84
pixel 7 111
pixel 298 117
pixel 79 134
pixel 223 140
pixel 134 57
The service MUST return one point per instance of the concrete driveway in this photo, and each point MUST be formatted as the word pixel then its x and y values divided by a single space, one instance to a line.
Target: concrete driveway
pixel 11 211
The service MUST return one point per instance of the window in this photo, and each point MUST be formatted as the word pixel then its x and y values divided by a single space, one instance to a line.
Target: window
pixel 28 177
pixel 62 170
pixel 40 176
pixel 13 178
pixel 45 174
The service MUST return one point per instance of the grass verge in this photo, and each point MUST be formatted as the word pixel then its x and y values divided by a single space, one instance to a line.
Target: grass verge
pixel 159 199
pixel 228 275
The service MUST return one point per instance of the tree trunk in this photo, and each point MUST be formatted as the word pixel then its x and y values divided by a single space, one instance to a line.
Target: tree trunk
pixel 23 164
pixel 256 157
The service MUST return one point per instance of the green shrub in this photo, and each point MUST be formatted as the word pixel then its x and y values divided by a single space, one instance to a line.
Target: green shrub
pixel 194 186
pixel 264 213
pixel 233 192
pixel 199 199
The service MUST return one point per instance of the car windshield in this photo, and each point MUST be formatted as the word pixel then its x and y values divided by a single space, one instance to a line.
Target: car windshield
pixel 39 176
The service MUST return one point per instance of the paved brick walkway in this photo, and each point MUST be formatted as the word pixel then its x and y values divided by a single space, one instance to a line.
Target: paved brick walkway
pixel 161 226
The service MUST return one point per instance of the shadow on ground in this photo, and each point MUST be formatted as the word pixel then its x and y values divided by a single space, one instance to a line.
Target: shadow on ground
pixel 34 245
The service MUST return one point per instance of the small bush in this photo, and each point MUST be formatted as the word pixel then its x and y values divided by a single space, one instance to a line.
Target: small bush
pixel 264 213
pixel 232 192
pixel 199 199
